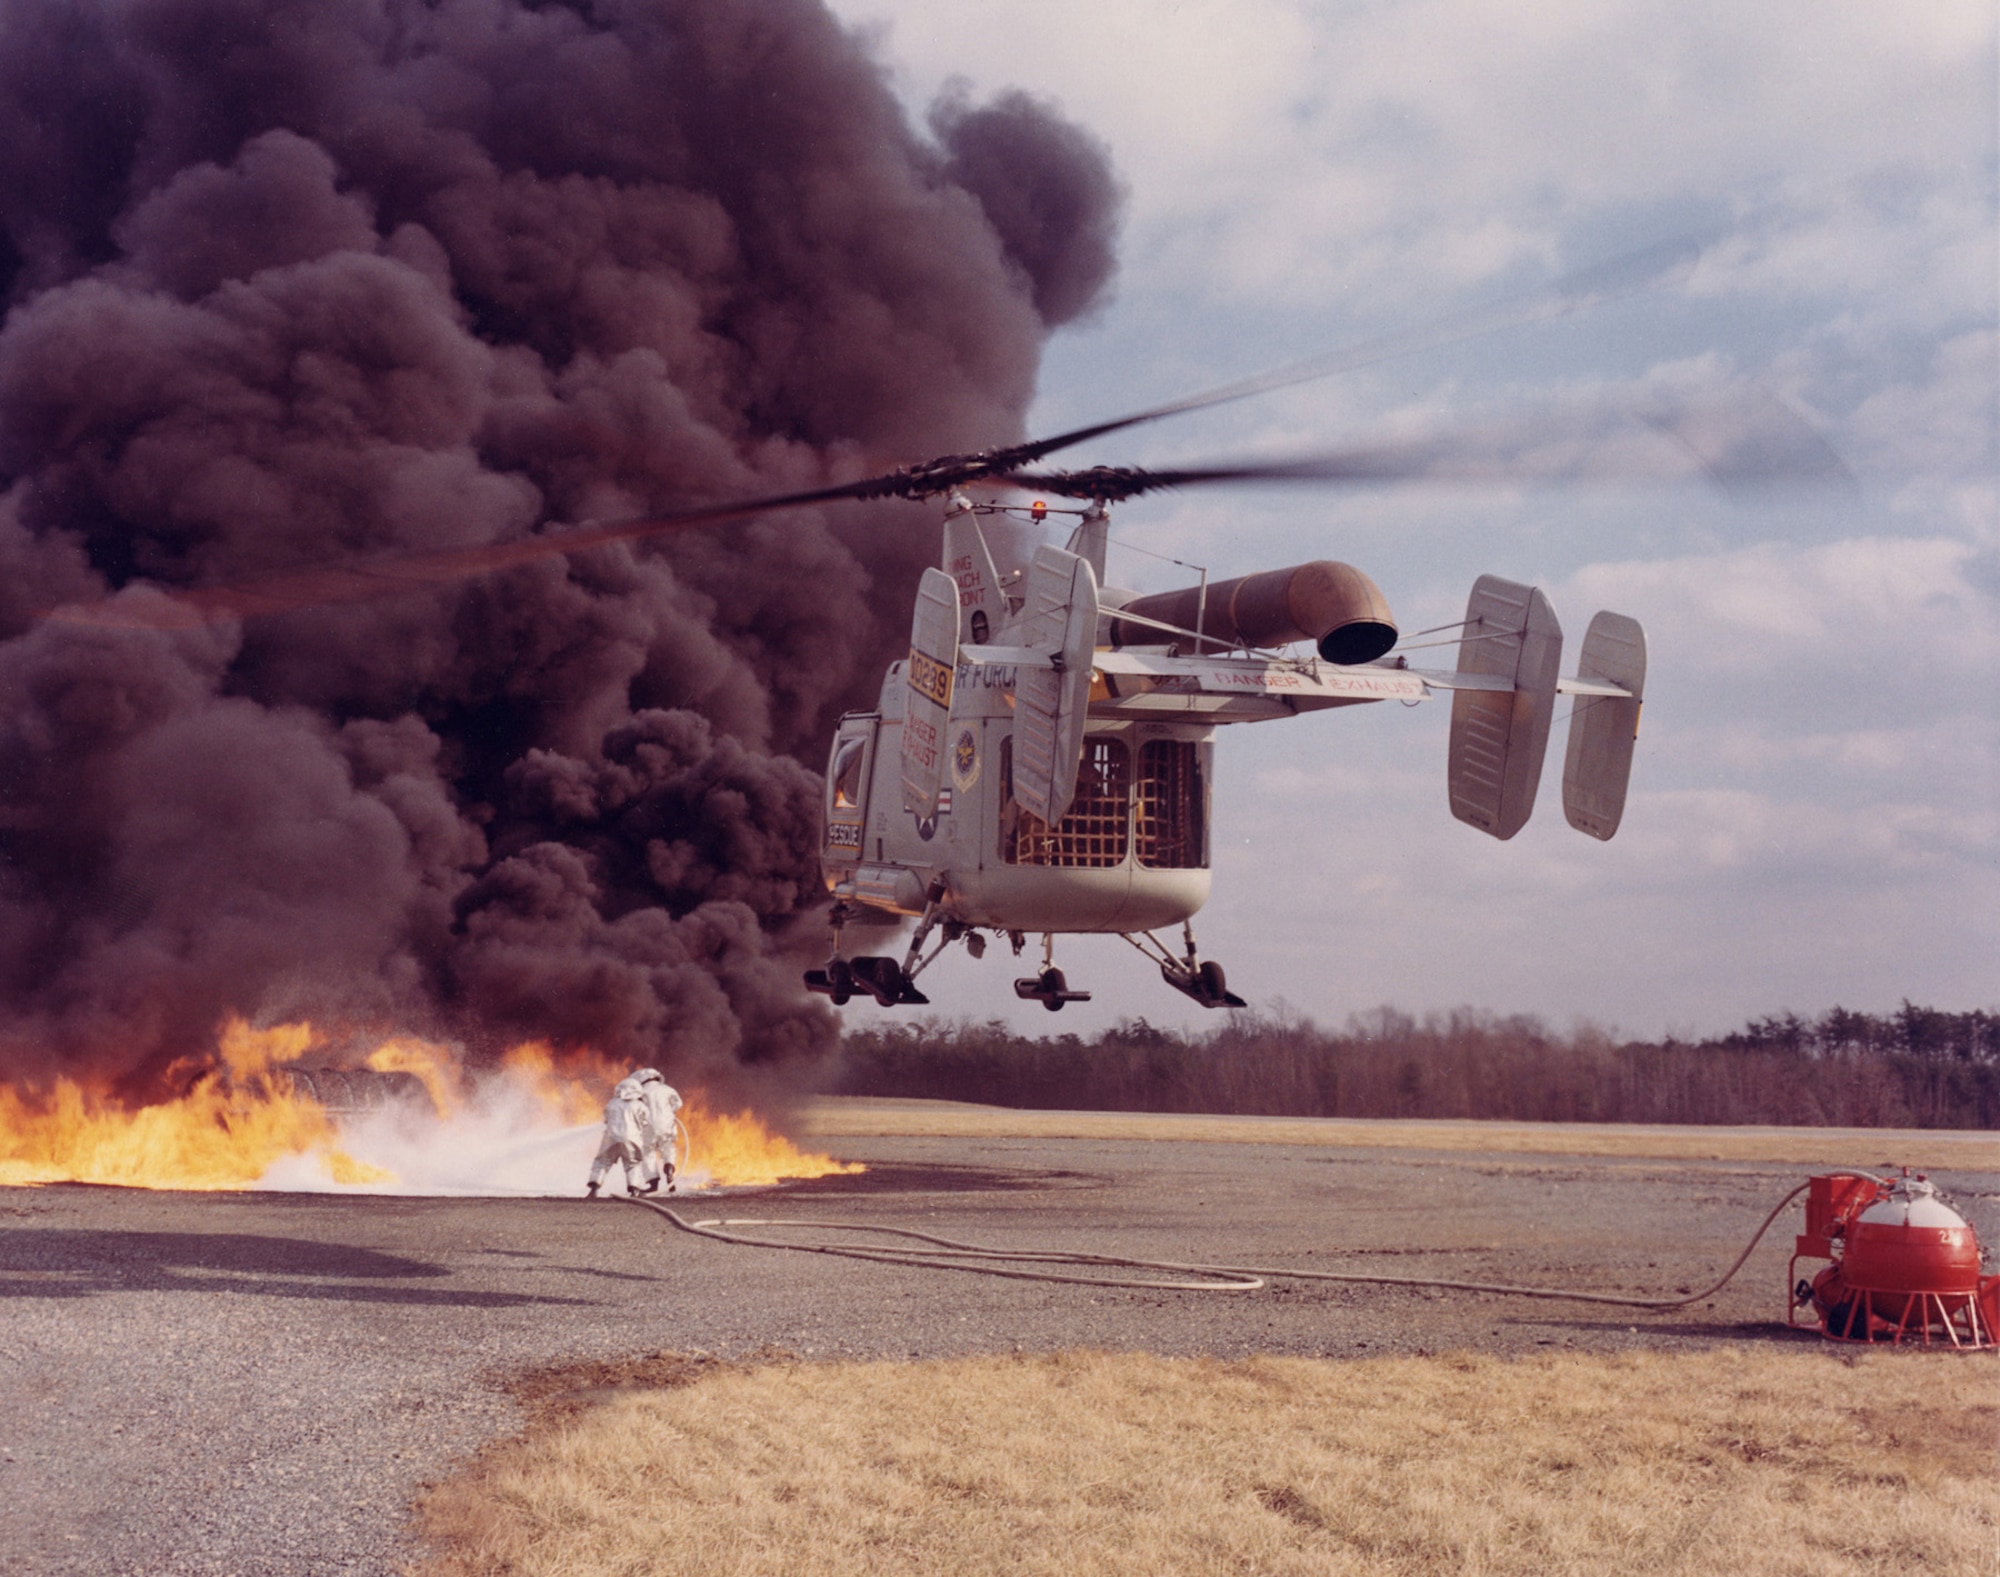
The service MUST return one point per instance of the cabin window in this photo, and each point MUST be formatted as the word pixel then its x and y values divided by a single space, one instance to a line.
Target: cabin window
pixel 1170 819
pixel 1095 833
pixel 847 773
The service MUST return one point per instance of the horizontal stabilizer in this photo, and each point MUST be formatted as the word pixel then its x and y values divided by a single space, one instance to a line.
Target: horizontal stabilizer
pixel 1611 670
pixel 1499 736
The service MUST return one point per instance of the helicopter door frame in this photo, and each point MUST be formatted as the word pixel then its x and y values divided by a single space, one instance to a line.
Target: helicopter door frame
pixel 849 777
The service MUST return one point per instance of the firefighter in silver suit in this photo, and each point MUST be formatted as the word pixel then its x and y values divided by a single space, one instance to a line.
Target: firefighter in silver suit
pixel 628 1135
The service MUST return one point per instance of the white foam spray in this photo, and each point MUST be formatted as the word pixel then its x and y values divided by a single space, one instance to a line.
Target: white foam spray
pixel 503 1141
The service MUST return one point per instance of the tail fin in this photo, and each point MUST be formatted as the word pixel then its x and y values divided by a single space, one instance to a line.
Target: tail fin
pixel 928 679
pixel 1605 725
pixel 982 609
pixel 1499 737
pixel 1060 619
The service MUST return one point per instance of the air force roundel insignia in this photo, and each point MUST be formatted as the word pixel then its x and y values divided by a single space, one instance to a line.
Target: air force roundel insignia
pixel 964 760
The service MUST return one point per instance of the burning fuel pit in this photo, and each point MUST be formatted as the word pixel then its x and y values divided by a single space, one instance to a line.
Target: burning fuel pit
pixel 883 1179
pixel 343 1092
pixel 284 1110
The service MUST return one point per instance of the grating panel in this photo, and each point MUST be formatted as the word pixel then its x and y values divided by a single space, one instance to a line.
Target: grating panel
pixel 1167 831
pixel 1096 832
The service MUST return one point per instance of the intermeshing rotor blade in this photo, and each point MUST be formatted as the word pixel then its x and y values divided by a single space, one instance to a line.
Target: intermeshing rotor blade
pixel 286 590
pixel 1627 275
pixel 1741 439
pixel 283 591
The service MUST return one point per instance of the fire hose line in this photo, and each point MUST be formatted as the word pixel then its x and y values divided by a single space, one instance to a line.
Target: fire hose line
pixel 948 1254
pixel 951 1254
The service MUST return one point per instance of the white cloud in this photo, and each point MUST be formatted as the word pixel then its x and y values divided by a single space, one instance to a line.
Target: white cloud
pixel 1956 748
pixel 1298 150
pixel 1912 600
pixel 1946 420
pixel 1690 837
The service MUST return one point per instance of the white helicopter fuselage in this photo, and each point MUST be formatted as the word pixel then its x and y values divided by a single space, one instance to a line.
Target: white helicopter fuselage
pixel 1132 854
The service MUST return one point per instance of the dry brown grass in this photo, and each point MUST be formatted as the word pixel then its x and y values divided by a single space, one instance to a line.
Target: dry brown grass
pixel 1795 1461
pixel 852 1117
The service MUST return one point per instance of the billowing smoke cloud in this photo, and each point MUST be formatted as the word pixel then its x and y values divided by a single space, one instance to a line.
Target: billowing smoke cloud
pixel 291 282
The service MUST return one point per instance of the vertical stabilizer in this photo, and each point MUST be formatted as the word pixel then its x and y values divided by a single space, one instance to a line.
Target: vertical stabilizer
pixel 1498 738
pixel 982 609
pixel 1604 728
pixel 928 679
pixel 1091 538
pixel 1060 619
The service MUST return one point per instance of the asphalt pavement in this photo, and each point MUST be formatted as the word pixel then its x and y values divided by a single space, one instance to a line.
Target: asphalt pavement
pixel 260 1383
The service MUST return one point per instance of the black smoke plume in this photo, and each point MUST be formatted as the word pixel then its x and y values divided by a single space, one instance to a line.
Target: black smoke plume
pixel 292 282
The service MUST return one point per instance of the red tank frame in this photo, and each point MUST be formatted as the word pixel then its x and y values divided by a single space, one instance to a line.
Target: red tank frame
pixel 1908 1304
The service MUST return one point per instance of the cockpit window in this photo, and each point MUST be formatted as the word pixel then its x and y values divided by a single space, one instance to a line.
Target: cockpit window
pixel 847 774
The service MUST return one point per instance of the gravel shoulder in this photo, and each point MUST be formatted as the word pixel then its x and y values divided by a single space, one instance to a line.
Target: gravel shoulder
pixel 260 1383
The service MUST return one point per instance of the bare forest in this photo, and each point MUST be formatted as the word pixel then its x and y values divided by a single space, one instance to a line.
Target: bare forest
pixel 1916 1067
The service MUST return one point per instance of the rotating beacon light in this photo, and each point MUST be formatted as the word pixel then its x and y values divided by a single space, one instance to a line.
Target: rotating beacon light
pixel 1906 1266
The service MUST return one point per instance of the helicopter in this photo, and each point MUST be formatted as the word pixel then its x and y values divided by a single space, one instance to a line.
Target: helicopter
pixel 1041 760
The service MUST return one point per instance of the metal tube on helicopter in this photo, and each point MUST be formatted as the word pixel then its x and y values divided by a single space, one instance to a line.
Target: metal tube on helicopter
pixel 1334 605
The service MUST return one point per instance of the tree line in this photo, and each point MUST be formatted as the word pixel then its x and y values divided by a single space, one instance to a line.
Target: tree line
pixel 1917 1067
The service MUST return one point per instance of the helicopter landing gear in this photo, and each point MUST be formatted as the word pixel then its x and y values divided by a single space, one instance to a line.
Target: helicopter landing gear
pixel 1049 987
pixel 836 981
pixel 1205 982
pixel 885 980
pixel 881 978
pixel 891 984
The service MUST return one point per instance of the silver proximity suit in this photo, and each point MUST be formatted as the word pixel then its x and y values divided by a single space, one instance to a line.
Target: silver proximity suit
pixel 627 1136
pixel 663 1104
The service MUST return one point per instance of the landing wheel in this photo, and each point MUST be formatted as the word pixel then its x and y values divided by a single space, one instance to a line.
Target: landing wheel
pixel 1050 988
pixel 840 982
pixel 1204 983
pixel 883 979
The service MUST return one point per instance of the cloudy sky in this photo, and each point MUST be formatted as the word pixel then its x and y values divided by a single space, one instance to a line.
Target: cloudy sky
pixel 1815 817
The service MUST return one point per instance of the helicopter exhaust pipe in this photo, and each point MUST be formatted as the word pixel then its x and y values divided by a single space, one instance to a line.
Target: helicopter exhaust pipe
pixel 1333 605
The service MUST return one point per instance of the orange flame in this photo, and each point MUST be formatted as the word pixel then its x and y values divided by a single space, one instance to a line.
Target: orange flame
pixel 532 1066
pixel 434 1065
pixel 740 1151
pixel 244 1118
pixel 224 1133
